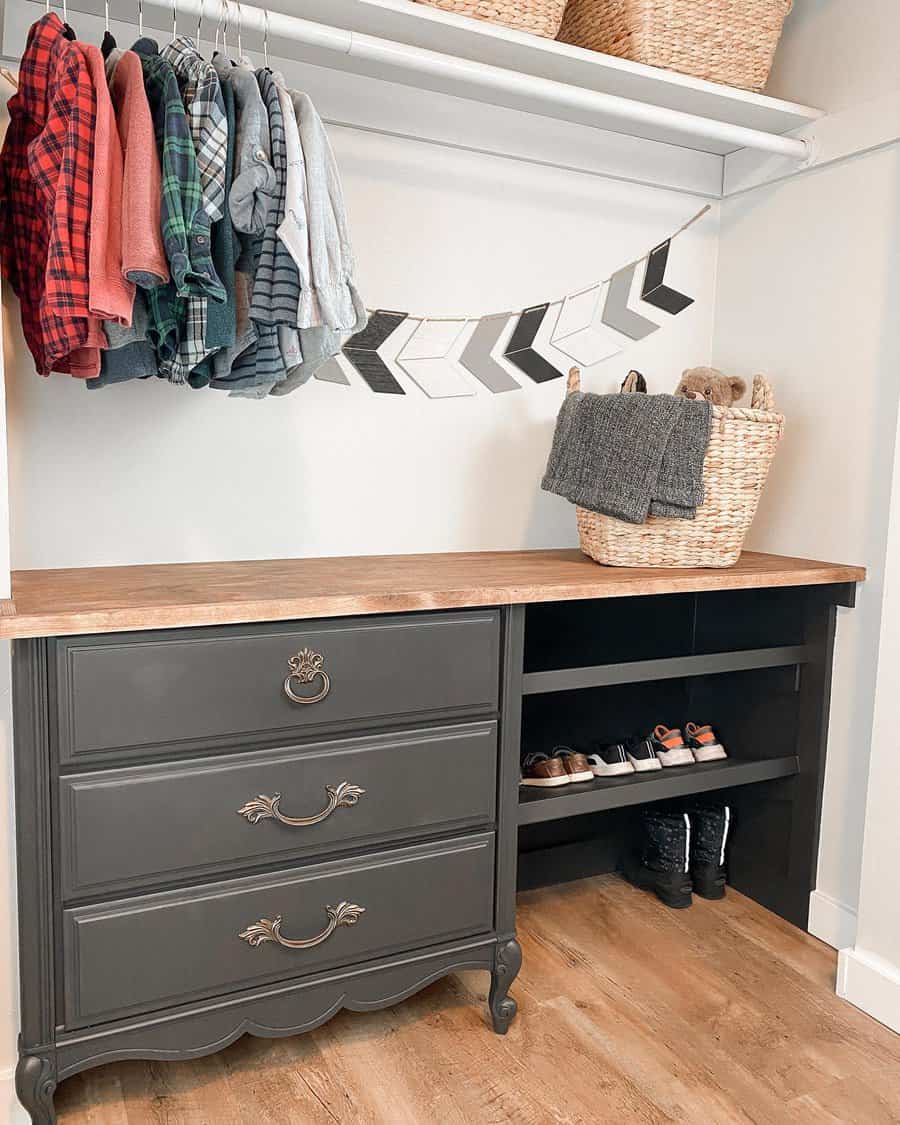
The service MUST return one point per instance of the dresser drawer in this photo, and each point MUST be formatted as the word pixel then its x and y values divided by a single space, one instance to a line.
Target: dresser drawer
pixel 144 953
pixel 128 827
pixel 141 693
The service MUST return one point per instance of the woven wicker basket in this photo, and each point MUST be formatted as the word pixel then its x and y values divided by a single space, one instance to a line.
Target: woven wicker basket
pixel 728 41
pixel 540 17
pixel 742 443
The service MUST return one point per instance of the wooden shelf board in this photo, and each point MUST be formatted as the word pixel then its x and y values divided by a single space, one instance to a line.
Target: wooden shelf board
pixel 668 668
pixel 175 595
pixel 420 25
pixel 536 805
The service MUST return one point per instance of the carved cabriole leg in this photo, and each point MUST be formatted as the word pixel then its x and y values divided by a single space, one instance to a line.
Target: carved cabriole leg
pixel 507 962
pixel 35 1087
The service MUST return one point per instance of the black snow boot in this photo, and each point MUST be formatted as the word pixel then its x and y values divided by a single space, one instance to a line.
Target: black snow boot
pixel 660 862
pixel 710 823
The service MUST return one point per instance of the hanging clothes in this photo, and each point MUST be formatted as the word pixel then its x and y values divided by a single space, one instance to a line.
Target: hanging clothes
pixel 251 194
pixel 185 222
pixel 205 109
pixel 45 201
pixel 221 325
pixel 165 215
pixel 143 255
pixel 334 296
pixel 129 353
pixel 276 287
pixel 111 295
pixel 293 231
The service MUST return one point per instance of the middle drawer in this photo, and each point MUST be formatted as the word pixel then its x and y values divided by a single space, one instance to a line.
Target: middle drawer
pixel 122 829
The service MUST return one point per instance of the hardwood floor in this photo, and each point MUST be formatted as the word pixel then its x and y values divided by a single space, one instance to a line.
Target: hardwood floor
pixel 628 1012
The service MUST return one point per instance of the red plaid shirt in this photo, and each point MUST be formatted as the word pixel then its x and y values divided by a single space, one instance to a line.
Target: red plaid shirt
pixel 45 201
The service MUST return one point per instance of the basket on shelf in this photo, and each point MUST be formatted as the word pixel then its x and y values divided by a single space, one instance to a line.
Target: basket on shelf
pixel 540 17
pixel 727 41
pixel 742 443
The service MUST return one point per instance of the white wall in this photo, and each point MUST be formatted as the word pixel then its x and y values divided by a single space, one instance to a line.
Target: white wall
pixel 835 55
pixel 147 472
pixel 810 299
pixel 808 291
pixel 869 973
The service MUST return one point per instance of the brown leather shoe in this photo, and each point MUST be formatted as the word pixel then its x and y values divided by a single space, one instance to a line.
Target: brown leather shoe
pixel 543 771
pixel 576 765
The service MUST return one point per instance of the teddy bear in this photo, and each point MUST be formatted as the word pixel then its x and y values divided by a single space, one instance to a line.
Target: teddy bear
pixel 712 385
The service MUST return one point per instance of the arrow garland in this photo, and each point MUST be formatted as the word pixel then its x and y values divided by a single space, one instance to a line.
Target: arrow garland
pixel 439 354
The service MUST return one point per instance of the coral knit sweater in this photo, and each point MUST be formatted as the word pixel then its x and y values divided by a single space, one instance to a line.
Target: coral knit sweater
pixel 111 295
pixel 143 256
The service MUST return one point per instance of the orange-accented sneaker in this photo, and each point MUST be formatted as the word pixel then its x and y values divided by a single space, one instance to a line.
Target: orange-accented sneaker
pixel 670 748
pixel 704 744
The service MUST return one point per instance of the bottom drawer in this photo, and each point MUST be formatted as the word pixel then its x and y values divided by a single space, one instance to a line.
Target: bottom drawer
pixel 163 949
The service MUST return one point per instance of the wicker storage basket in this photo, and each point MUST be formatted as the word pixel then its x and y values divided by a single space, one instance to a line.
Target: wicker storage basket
pixel 728 41
pixel 742 443
pixel 540 17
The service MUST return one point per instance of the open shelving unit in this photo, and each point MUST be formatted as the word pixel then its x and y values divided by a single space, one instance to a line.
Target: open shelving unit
pixel 752 662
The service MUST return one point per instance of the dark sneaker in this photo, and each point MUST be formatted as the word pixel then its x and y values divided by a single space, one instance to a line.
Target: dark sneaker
pixel 575 764
pixel 610 761
pixel 661 862
pixel 670 748
pixel 710 824
pixel 543 771
pixel 642 755
pixel 704 744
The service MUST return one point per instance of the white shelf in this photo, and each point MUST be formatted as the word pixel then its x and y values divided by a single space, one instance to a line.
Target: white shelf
pixel 417 72
pixel 418 25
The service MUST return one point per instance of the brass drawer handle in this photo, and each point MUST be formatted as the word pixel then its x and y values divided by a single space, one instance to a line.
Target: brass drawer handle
pixel 304 668
pixel 343 796
pixel 269 929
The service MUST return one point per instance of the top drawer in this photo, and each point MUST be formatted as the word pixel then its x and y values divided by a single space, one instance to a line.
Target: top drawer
pixel 132 694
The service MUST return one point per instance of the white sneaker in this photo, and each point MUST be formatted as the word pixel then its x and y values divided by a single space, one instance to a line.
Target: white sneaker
pixel 642 755
pixel 610 761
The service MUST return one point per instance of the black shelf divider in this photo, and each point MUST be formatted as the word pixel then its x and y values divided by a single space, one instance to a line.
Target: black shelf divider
pixel 669 668
pixel 536 805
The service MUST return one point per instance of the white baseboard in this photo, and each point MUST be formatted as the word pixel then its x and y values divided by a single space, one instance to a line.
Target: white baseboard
pixel 831 921
pixel 870 983
pixel 11 1111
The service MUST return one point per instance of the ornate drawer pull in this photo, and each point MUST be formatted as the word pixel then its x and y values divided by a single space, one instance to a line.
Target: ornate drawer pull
pixel 304 667
pixel 343 796
pixel 269 929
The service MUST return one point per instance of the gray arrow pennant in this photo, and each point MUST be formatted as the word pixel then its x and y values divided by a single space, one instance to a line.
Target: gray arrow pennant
pixel 616 312
pixel 478 361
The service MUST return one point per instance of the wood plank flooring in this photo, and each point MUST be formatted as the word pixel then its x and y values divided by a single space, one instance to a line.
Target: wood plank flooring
pixel 628 1012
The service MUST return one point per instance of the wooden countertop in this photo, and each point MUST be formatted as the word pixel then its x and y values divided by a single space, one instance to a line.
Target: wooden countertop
pixel 112 599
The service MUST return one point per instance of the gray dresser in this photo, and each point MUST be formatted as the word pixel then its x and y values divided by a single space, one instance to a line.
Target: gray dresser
pixel 248 828
pixel 249 795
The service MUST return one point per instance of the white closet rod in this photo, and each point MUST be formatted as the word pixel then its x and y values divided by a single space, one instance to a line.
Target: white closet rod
pixel 417 60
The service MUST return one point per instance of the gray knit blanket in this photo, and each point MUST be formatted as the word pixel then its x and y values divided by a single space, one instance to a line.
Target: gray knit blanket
pixel 630 455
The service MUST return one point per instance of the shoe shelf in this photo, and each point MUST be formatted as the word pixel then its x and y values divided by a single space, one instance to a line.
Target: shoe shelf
pixel 667 668
pixel 537 805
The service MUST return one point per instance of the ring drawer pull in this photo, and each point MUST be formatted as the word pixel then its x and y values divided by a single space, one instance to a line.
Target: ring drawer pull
pixel 343 796
pixel 304 668
pixel 269 929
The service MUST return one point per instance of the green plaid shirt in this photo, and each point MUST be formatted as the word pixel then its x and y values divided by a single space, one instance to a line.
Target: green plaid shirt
pixel 185 224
